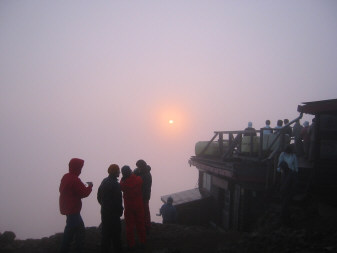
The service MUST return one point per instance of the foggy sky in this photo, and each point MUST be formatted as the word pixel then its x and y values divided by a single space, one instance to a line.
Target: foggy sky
pixel 100 80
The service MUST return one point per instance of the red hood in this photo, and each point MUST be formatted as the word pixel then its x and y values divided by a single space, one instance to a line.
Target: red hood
pixel 75 166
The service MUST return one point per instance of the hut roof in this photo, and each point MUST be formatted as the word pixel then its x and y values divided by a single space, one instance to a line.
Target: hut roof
pixel 317 107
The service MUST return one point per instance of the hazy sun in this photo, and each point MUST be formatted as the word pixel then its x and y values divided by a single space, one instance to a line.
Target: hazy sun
pixel 171 121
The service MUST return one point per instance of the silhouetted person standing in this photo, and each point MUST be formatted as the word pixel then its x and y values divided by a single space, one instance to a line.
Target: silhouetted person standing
pixel 109 196
pixel 143 170
pixel 279 124
pixel 287 129
pixel 168 211
pixel 289 157
pixel 131 186
pixel 297 137
pixel 72 190
pixel 249 131
pixel 267 131
pixel 306 138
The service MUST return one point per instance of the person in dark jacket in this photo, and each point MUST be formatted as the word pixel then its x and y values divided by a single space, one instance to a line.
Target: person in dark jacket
pixel 131 186
pixel 72 190
pixel 297 129
pixel 168 211
pixel 250 130
pixel 143 170
pixel 109 196
pixel 306 138
pixel 287 129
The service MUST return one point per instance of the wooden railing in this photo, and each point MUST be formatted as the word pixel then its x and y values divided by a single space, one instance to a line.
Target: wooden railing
pixel 235 140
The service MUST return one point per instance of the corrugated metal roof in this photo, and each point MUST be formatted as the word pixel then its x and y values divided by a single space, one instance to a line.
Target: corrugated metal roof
pixel 186 196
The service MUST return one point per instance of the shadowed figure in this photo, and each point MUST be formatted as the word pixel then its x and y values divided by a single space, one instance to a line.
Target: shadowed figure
pixel 143 170
pixel 168 211
pixel 131 186
pixel 72 190
pixel 109 196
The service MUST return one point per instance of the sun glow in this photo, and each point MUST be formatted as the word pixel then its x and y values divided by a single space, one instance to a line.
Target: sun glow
pixel 171 121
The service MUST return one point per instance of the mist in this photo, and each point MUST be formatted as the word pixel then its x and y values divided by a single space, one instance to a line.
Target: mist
pixel 100 81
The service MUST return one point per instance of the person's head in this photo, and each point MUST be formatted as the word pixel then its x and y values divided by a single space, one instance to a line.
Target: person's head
pixel 76 165
pixel 286 121
pixel 279 122
pixel 267 122
pixel 250 124
pixel 141 164
pixel 169 200
pixel 126 171
pixel 289 149
pixel 114 170
pixel 306 123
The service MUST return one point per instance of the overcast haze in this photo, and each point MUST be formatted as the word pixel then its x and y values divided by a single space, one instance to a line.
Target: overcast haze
pixel 100 81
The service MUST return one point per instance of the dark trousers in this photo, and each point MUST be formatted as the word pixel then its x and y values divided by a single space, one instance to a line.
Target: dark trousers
pixel 74 230
pixel 111 232
pixel 147 216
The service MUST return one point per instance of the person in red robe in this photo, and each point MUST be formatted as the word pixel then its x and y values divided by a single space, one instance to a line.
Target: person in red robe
pixel 131 186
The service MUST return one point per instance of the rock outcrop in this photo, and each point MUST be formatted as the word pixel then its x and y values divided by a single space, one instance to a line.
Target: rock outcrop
pixel 309 231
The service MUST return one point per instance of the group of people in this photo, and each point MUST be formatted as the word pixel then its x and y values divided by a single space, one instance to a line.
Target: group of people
pixel 304 136
pixel 134 188
pixel 249 130
pixel 304 139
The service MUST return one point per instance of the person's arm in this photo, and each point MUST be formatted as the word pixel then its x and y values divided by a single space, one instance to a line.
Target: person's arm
pixel 99 195
pixel 82 190
pixel 161 210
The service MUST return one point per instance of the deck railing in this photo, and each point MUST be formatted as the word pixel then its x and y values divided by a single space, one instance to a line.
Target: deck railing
pixel 264 150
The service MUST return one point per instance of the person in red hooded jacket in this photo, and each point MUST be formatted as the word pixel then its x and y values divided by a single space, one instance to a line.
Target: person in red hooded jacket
pixel 131 186
pixel 72 190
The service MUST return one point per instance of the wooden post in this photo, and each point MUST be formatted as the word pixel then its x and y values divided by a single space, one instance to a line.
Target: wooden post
pixel 261 144
pixel 221 143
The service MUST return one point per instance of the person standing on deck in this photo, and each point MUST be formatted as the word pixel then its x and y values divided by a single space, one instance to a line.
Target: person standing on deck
pixel 279 124
pixel 267 131
pixel 287 129
pixel 297 137
pixel 289 157
pixel 249 131
pixel 306 139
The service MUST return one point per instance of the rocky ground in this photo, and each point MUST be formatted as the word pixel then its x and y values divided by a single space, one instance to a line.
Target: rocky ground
pixel 313 228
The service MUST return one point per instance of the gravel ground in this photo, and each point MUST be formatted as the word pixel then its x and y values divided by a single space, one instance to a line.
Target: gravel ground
pixel 313 228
